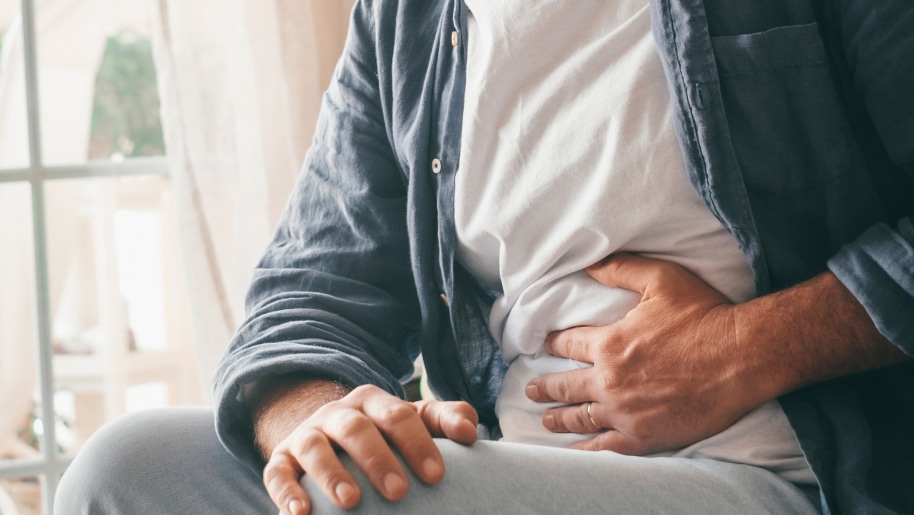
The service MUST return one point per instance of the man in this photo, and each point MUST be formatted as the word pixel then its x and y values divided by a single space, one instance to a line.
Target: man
pixel 795 132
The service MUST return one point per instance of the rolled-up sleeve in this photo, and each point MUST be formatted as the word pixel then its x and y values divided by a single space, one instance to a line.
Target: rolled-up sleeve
pixel 878 268
pixel 333 297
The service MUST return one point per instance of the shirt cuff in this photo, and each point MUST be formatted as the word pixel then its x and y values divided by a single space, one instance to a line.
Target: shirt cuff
pixel 234 426
pixel 878 269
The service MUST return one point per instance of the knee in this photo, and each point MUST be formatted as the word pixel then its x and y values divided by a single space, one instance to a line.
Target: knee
pixel 113 470
pixel 459 485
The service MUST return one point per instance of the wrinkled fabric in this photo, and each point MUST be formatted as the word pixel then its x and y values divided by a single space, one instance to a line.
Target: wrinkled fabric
pixel 796 131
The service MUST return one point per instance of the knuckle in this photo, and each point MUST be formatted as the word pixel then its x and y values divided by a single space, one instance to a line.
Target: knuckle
pixel 307 440
pixel 563 341
pixel 330 407
pixel 378 462
pixel 350 424
pixel 393 414
pixel 367 390
pixel 606 382
pixel 271 472
pixel 617 263
pixel 581 337
pixel 562 388
pixel 640 431
pixel 581 419
pixel 607 342
pixel 274 485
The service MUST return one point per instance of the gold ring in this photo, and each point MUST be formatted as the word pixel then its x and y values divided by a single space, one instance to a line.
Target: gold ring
pixel 590 416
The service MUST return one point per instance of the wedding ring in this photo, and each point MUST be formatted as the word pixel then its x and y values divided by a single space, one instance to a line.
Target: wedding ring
pixel 590 416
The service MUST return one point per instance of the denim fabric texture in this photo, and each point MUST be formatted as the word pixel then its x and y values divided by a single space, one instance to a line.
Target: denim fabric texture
pixel 797 127
pixel 135 465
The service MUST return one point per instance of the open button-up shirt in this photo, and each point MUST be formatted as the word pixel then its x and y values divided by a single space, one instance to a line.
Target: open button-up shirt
pixel 797 128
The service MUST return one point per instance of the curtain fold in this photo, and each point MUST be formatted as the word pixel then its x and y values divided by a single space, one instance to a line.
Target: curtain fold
pixel 240 83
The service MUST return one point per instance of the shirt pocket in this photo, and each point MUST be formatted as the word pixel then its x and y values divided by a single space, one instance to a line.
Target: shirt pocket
pixel 788 126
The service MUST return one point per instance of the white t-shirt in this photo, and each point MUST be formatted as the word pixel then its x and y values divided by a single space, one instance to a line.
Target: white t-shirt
pixel 569 155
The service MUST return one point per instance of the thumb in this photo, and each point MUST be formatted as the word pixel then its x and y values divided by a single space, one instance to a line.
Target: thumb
pixel 454 420
pixel 626 271
pixel 614 441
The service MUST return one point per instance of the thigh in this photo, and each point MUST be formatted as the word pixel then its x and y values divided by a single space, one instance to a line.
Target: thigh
pixel 170 461
pixel 497 477
pixel 164 461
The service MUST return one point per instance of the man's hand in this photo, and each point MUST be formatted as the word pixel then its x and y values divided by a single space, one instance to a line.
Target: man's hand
pixel 663 377
pixel 685 363
pixel 368 424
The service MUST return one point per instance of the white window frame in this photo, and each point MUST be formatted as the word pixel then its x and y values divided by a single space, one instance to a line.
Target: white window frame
pixel 50 465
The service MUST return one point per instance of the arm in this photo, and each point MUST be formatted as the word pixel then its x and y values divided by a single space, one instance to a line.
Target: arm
pixel 685 363
pixel 855 317
pixel 332 305
pixel 333 296
pixel 822 330
pixel 878 268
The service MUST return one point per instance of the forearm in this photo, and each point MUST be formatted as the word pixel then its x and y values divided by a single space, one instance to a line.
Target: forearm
pixel 280 405
pixel 809 333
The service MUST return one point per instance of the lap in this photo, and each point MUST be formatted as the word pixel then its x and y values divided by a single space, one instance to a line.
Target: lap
pixel 170 461
pixel 498 477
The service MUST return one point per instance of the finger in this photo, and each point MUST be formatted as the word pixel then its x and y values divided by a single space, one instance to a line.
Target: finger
pixel 401 424
pixel 612 440
pixel 358 436
pixel 571 387
pixel 280 477
pixel 454 420
pixel 626 271
pixel 574 419
pixel 316 456
pixel 578 343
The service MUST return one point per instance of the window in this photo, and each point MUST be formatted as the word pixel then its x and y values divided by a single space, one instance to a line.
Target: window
pixel 93 310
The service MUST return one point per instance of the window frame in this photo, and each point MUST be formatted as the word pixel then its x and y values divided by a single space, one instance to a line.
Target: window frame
pixel 50 464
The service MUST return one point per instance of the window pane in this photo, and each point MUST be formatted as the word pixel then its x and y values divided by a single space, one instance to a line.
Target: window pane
pixel 98 92
pixel 120 324
pixel 21 495
pixel 20 427
pixel 14 135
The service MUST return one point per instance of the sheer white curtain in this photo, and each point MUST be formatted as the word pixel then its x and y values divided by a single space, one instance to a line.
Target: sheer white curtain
pixel 70 38
pixel 240 84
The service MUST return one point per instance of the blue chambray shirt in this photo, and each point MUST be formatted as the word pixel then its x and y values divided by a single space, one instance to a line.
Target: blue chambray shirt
pixel 796 122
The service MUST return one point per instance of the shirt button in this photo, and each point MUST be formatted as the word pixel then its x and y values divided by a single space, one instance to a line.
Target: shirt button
pixel 445 299
pixel 436 165
pixel 455 39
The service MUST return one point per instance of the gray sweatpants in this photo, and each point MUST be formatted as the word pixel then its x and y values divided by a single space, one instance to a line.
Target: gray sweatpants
pixel 170 462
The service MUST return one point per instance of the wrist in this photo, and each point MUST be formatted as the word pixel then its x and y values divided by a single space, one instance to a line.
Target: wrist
pixel 279 404
pixel 808 333
pixel 757 365
pixel 745 376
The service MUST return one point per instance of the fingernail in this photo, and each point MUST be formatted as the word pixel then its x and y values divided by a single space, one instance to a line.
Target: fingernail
pixel 394 484
pixel 431 468
pixel 532 392
pixel 548 421
pixel 344 491
pixel 294 507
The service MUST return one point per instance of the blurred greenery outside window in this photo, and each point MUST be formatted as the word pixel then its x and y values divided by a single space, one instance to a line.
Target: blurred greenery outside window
pixel 125 109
